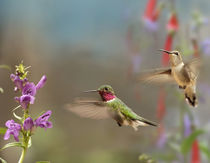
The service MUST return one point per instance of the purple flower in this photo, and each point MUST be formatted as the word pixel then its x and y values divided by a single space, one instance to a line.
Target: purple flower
pixel 205 46
pixel 29 89
pixel 187 125
pixel 25 100
pixel 150 25
pixel 136 62
pixel 41 83
pixel 43 122
pixel 162 140
pixel 17 81
pixel 13 129
pixel 28 124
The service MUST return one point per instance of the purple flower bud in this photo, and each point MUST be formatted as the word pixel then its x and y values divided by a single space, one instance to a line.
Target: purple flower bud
pixel 12 77
pixel 13 129
pixel 43 122
pixel 17 81
pixel 29 89
pixel 28 124
pixel 41 83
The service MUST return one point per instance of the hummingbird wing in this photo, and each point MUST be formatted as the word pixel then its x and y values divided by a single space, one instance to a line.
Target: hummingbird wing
pixel 89 108
pixel 193 67
pixel 158 76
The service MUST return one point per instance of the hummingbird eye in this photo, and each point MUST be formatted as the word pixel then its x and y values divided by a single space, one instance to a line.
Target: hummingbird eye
pixel 176 53
pixel 106 89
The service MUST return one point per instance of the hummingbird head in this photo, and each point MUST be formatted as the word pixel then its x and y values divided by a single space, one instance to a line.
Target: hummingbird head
pixel 106 92
pixel 175 57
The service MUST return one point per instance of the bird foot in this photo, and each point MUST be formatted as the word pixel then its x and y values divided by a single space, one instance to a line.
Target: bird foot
pixel 182 87
pixel 119 124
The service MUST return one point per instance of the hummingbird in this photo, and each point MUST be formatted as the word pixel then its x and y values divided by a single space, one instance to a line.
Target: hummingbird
pixel 109 106
pixel 183 74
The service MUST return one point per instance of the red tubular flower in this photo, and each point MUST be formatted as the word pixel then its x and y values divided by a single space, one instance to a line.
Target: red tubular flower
pixel 150 9
pixel 156 14
pixel 173 24
pixel 161 108
pixel 151 15
pixel 195 153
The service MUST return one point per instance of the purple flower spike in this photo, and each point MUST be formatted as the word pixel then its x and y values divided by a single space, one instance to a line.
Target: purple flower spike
pixel 28 124
pixel 205 46
pixel 25 100
pixel 43 122
pixel 41 83
pixel 150 25
pixel 29 89
pixel 13 129
pixel 187 125
pixel 162 140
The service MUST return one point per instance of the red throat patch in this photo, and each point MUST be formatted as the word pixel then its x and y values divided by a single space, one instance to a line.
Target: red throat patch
pixel 106 96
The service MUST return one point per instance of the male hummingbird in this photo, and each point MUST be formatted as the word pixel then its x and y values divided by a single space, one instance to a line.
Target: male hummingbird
pixel 184 74
pixel 108 107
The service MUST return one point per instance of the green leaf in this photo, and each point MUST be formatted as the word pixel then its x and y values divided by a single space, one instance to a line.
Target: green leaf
pixel 174 146
pixel 16 108
pixel 29 142
pixel 16 116
pixel 43 162
pixel 1 90
pixel 204 148
pixel 13 144
pixel 2 160
pixel 5 67
pixel 3 130
pixel 187 143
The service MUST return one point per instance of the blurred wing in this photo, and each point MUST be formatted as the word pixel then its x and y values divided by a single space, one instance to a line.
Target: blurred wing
pixel 89 109
pixel 158 76
pixel 193 67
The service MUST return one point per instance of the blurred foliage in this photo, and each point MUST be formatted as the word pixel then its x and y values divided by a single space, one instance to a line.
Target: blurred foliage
pixel 3 130
pixel 187 142
pixel 146 159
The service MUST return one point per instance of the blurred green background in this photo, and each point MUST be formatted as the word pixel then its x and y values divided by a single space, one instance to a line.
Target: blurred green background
pixel 80 45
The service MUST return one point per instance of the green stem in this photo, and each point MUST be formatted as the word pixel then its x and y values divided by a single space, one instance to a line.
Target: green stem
pixel 25 146
pixel 25 138
pixel 22 155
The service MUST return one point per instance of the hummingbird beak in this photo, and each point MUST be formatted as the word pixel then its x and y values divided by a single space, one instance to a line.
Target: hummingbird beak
pixel 168 52
pixel 90 91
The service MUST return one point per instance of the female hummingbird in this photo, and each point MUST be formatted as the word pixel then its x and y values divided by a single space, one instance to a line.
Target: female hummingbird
pixel 108 107
pixel 183 74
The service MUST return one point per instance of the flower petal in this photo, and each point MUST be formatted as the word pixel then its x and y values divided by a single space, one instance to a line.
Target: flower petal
pixel 7 134
pixel 9 122
pixel 29 89
pixel 41 83
pixel 28 124
pixel 16 135
pixel 25 100
pixel 43 122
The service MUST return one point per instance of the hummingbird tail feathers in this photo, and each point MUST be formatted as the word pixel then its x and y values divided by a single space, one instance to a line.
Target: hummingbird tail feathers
pixel 190 96
pixel 137 123
pixel 145 122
